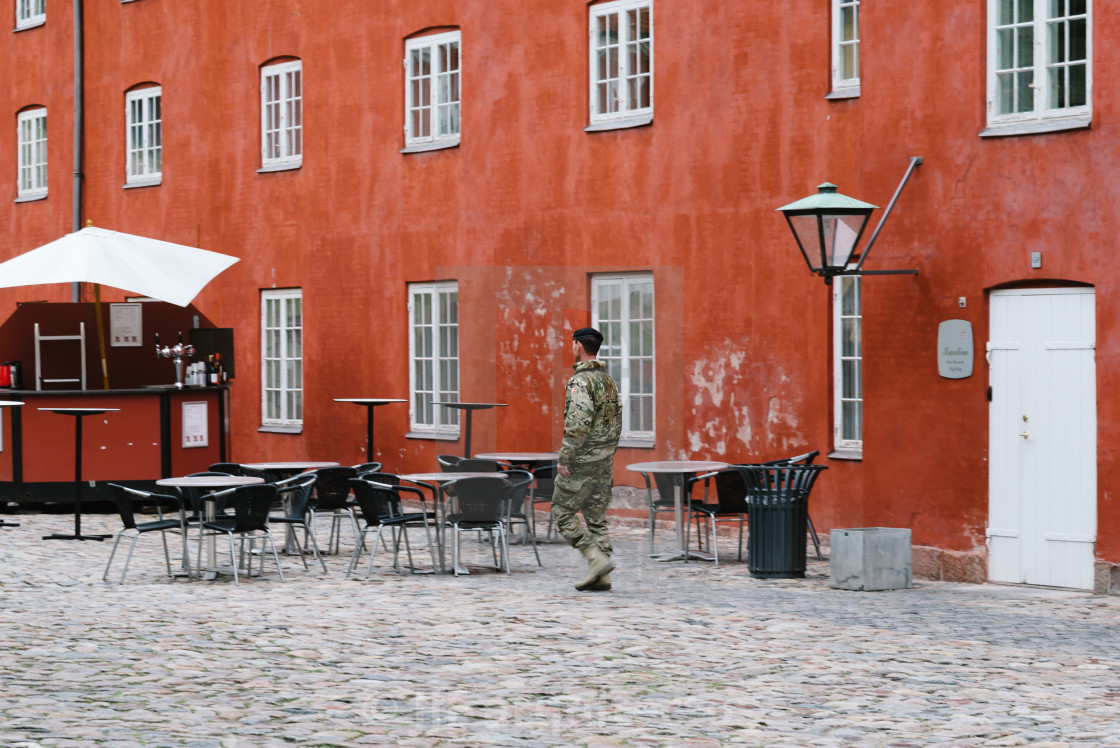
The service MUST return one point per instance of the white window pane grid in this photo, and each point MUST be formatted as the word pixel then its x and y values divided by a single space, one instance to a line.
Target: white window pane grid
pixel 848 40
pixel 30 12
pixel 434 354
pixel 433 89
pixel 145 135
pixel 621 60
pixel 282 113
pixel 282 357
pixel 848 367
pixel 31 151
pixel 622 310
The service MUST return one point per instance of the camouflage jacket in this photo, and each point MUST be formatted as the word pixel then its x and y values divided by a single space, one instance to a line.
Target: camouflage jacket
pixel 592 415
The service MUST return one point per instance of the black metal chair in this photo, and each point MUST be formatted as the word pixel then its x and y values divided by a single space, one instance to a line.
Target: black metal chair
pixel 128 501
pixel 731 487
pixel 479 504
pixel 448 463
pixel 229 468
pixel 544 483
pixel 518 506
pixel 332 494
pixel 664 502
pixel 380 506
pixel 295 493
pixel 367 467
pixel 803 459
pixel 192 498
pixel 475 465
pixel 251 505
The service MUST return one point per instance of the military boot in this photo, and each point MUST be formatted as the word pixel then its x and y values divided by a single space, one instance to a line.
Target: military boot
pixel 598 565
pixel 603 585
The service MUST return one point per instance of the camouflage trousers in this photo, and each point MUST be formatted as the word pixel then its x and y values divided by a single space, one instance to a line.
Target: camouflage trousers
pixel 586 490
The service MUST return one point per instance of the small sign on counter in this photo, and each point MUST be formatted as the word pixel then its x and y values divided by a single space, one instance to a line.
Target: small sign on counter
pixel 196 426
pixel 954 349
pixel 126 325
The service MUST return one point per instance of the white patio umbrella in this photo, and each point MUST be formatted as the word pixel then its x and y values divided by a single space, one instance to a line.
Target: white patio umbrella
pixel 174 273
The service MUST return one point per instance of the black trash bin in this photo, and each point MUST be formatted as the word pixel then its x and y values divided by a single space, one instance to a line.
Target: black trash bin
pixel 778 518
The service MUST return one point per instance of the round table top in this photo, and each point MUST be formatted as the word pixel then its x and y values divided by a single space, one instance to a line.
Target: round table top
pixel 473 406
pixel 209 481
pixel 293 465
pixel 443 477
pixel 519 456
pixel 677 466
pixel 6 403
pixel 369 400
pixel 81 411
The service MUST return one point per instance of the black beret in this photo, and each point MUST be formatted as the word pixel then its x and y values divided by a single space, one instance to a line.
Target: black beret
pixel 587 333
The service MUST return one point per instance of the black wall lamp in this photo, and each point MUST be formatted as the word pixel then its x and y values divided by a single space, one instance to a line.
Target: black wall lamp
pixel 828 227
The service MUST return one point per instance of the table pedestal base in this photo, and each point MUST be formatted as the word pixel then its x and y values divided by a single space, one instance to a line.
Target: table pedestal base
pixel 61 536
pixel 679 556
pixel 9 524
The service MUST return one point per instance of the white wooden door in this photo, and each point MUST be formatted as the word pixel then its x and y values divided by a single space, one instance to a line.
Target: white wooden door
pixel 1042 434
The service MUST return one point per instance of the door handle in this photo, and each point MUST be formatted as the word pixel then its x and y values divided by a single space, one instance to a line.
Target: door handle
pixel 1025 434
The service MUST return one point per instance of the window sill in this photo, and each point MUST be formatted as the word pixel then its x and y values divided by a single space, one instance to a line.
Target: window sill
pixel 841 94
pixel 30 198
pixel 438 145
pixel 432 435
pixel 268 169
pixel 637 443
pixel 31 25
pixel 620 124
pixel 846 454
pixel 1036 127
pixel 278 429
pixel 146 183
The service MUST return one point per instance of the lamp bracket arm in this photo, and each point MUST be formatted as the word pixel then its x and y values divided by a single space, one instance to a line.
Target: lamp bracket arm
pixel 914 162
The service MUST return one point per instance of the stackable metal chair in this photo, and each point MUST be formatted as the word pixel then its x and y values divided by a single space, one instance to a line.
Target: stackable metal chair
pixel 518 506
pixel 251 505
pixel 332 494
pixel 544 483
pixel 296 493
pixel 129 500
pixel 731 487
pixel 380 506
pixel 479 504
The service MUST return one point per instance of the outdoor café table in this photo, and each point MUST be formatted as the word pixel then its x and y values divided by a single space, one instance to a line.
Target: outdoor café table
pixel 370 403
pixel 210 481
pixel 9 404
pixel 287 469
pixel 470 408
pixel 681 469
pixel 427 480
pixel 78 414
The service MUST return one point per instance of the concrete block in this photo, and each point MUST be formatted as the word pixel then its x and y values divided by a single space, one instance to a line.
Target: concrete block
pixel 871 558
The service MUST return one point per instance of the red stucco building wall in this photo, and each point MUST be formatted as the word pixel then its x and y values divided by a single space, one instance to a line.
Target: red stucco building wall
pixel 529 205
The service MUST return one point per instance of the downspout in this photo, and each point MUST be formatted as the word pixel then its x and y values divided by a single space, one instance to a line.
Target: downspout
pixel 79 112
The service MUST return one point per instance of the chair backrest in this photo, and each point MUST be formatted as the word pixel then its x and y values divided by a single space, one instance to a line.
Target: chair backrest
pixel 473 465
pixel 192 495
pixel 480 499
pixel 376 501
pixel 332 487
pixel 299 490
pixel 128 500
pixel 520 482
pixel 731 490
pixel 387 478
pixel 368 467
pixel 544 482
pixel 666 482
pixel 447 463
pixel 251 505
pixel 229 468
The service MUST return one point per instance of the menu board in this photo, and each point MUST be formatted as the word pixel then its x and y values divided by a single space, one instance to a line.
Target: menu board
pixel 196 426
pixel 126 325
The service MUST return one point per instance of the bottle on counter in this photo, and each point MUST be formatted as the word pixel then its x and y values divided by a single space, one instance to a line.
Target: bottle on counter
pixel 221 378
pixel 211 372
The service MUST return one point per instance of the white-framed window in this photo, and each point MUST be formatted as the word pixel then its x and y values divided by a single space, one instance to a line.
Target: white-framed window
pixel 30 13
pixel 847 367
pixel 31 145
pixel 845 47
pixel 622 309
pixel 282 357
pixel 621 60
pixel 144 135
pixel 1039 61
pixel 433 355
pixel 282 114
pixel 432 89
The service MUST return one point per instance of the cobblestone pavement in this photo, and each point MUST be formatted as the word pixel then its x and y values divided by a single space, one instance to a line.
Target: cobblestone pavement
pixel 677 655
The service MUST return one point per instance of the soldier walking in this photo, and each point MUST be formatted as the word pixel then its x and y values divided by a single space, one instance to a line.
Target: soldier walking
pixel 584 475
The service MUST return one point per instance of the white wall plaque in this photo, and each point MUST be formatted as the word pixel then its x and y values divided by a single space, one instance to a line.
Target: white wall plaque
pixel 126 325
pixel 196 425
pixel 954 349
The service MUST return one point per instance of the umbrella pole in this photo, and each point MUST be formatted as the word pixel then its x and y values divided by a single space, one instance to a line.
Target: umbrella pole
pixel 100 335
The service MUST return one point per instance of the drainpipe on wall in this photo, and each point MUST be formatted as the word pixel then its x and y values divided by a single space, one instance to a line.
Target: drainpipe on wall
pixel 79 110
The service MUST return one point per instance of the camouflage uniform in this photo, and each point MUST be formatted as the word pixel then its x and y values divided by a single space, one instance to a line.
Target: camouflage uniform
pixel 592 426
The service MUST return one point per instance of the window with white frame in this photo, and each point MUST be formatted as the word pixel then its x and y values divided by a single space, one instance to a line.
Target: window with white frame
pixel 1039 61
pixel 433 354
pixel 144 138
pixel 282 114
pixel 282 357
pixel 30 13
pixel 432 94
pixel 847 365
pixel 621 60
pixel 622 309
pixel 31 146
pixel 845 47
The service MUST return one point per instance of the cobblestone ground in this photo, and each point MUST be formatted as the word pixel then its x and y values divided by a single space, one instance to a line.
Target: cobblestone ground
pixel 677 655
